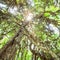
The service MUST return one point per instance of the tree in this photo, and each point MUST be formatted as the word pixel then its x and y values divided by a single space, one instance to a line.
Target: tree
pixel 29 30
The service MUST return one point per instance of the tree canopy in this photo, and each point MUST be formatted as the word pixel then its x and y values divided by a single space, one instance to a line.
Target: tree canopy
pixel 29 29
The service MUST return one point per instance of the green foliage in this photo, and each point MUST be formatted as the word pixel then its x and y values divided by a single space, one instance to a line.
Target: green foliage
pixel 50 14
pixel 52 8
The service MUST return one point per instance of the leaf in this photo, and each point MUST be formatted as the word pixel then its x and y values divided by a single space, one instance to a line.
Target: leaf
pixel 46 14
